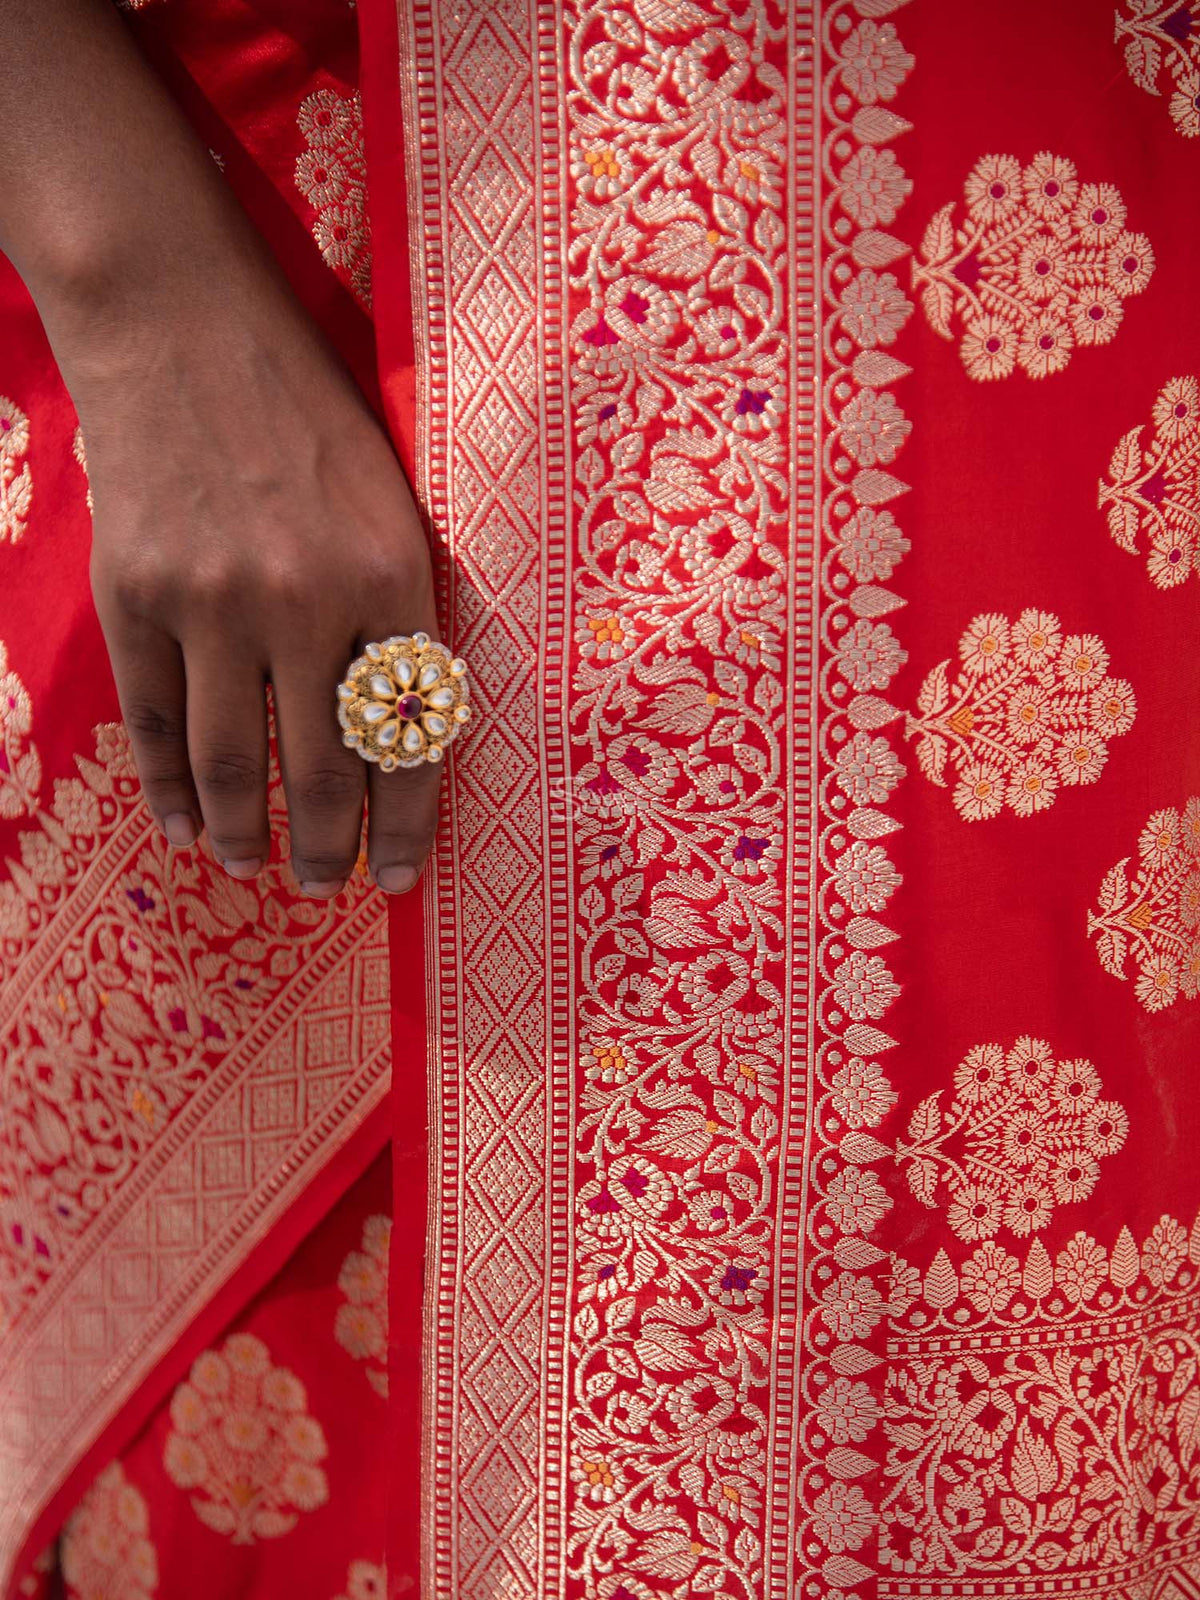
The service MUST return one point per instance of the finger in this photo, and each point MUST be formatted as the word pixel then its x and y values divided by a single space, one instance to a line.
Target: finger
pixel 151 684
pixel 324 782
pixel 227 746
pixel 402 806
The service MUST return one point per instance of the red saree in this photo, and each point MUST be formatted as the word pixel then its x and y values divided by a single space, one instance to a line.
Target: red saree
pixel 791 1134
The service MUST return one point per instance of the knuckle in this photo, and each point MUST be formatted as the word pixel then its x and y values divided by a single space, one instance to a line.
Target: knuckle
pixel 321 864
pixel 229 772
pixel 141 582
pixel 328 788
pixel 155 725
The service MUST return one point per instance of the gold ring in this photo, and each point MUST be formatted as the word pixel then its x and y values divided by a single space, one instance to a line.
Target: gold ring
pixel 402 701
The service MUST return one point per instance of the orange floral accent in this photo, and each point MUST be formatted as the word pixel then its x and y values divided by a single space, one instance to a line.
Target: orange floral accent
pixel 1030 712
pixel 1149 921
pixel 1038 265
pixel 1024 1133
pixel 1152 490
pixel 242 1438
pixel 332 177
pixel 106 1552
pixel 1163 42
pixel 361 1325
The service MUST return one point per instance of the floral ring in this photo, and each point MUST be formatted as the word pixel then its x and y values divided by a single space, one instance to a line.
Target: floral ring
pixel 402 701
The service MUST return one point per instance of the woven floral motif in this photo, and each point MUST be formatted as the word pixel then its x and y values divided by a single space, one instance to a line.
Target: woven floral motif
pixel 332 176
pixel 365 1581
pixel 16 482
pixel 20 763
pixel 1031 711
pixel 1036 265
pixel 1147 921
pixel 106 1552
pixel 242 1440
pixel 681 374
pixel 361 1324
pixel 1161 44
pixel 1042 1416
pixel 79 451
pixel 1024 1133
pixel 1152 493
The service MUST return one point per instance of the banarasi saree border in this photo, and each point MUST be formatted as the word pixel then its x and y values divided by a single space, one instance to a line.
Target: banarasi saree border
pixel 549 194
pixel 638 1381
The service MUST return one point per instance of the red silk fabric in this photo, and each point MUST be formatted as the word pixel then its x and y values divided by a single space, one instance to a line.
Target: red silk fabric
pixel 804 400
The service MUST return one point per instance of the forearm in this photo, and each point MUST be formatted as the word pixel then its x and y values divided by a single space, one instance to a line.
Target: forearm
pixel 108 201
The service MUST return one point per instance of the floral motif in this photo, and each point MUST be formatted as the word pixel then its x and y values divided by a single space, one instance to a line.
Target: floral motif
pixel 20 763
pixel 1031 712
pixel 361 1324
pixel 332 177
pixel 1148 918
pixel 1040 1415
pixel 1162 53
pixel 106 1552
pixel 365 1581
pixel 16 482
pixel 1024 1133
pixel 1151 489
pixel 79 451
pixel 680 363
pixel 242 1438
pixel 1040 264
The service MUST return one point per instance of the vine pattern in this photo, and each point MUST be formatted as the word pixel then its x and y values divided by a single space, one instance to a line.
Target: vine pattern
pixel 332 176
pixel 679 385
pixel 1042 1415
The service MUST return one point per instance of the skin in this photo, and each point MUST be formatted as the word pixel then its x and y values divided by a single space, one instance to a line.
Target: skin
pixel 251 524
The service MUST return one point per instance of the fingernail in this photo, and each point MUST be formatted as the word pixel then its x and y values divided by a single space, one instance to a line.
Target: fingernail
pixel 322 888
pixel 396 880
pixel 243 869
pixel 179 829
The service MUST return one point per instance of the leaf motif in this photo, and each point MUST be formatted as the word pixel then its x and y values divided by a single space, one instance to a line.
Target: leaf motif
pixel 864 1040
pixel 680 250
pixel 1124 523
pixel 868 711
pixel 632 943
pixel 932 751
pixel 874 125
pixel 1114 890
pixel 1126 463
pixel 677 485
pixel 1034 1467
pixel 683 1134
pixel 861 1150
pixel 934 694
pixel 664 1349
pixel 1126 1263
pixel 851 1360
pixel 941 1282
pixel 922 1178
pixel 1187 1425
pixel 871 487
pixel 938 304
pixel 926 1120
pixel 864 933
pixel 873 369
pixel 1143 58
pixel 937 242
pixel 878 8
pixel 873 248
pixel 846 1463
pixel 872 600
pixel 1112 947
pixel 1038 1277
pixel 667 1555
pixel 1066 1448
pixel 866 823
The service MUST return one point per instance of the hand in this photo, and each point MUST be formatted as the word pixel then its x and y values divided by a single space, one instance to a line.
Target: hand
pixel 251 524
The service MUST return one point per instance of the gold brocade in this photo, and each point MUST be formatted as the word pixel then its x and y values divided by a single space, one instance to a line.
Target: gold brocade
pixel 181 1056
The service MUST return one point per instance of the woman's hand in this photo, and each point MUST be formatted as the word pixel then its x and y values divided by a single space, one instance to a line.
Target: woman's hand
pixel 251 521
pixel 251 524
